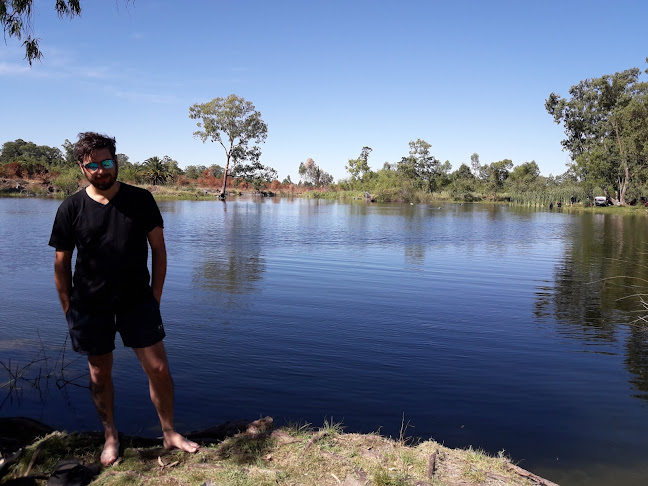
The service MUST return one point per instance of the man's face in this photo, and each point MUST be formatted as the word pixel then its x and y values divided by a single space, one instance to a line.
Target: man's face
pixel 101 178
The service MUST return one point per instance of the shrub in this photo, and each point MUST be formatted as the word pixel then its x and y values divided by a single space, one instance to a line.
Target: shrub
pixel 67 182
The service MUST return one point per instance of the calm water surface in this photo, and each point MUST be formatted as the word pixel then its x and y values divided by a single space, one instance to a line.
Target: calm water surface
pixel 500 328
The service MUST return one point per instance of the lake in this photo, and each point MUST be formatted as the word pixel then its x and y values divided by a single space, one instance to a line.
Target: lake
pixel 486 325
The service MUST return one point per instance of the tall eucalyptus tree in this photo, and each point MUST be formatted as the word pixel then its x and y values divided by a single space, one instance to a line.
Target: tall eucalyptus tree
pixel 236 125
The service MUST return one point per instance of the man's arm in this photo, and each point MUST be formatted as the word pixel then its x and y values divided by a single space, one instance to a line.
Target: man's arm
pixel 158 261
pixel 63 277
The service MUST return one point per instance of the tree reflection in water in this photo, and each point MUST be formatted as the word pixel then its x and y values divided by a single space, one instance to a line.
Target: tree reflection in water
pixel 599 288
pixel 231 261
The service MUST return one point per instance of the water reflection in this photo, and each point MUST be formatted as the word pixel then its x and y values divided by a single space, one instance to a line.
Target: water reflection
pixel 598 290
pixel 415 256
pixel 230 256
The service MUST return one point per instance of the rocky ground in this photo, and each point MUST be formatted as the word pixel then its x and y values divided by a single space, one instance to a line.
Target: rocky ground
pixel 27 187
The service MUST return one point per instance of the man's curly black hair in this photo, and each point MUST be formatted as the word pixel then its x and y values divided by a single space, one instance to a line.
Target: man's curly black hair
pixel 90 141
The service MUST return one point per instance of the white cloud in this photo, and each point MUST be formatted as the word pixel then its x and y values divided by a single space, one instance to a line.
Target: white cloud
pixel 142 97
pixel 93 73
pixel 14 69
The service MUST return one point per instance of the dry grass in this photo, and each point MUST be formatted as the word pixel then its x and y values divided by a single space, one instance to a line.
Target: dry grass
pixel 297 455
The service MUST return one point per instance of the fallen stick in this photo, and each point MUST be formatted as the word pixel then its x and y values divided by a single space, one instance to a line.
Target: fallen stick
pixel 31 463
pixel 165 466
pixel 526 474
pixel 314 439
pixel 432 464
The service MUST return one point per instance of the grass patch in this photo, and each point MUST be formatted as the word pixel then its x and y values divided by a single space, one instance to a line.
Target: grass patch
pixel 299 429
pixel 384 477
pixel 245 449
pixel 295 455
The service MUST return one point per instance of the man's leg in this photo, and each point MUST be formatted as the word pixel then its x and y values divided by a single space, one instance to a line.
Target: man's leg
pixel 103 393
pixel 156 366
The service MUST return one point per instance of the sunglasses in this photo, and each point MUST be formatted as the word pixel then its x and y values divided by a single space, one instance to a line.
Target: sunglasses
pixel 106 164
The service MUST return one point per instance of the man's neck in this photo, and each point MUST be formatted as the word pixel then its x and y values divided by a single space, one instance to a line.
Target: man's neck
pixel 100 196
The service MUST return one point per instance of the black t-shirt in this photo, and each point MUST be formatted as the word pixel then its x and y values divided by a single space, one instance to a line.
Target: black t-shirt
pixel 111 272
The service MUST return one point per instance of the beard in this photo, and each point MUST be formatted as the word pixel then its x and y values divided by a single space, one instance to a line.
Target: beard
pixel 106 181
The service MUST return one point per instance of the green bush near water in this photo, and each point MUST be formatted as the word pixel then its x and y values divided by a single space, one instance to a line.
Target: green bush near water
pixel 67 181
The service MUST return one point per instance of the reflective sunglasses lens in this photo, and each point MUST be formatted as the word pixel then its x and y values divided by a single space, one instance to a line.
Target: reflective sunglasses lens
pixel 92 166
pixel 107 164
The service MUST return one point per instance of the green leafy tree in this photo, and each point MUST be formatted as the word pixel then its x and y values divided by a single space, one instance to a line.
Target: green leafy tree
pixel 463 172
pixel 129 171
pixel 462 181
pixel 256 174
pixel 474 163
pixel 194 171
pixel 358 168
pixel 524 174
pixel 443 175
pixel 68 154
pixel 173 170
pixel 495 174
pixel 524 178
pixel 216 170
pixel 386 184
pixel 30 159
pixel 12 151
pixel 388 166
pixel 311 174
pixel 605 123
pixel 29 152
pixel 421 167
pixel 236 125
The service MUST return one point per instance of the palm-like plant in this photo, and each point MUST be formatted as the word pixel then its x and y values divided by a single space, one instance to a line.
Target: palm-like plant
pixel 155 170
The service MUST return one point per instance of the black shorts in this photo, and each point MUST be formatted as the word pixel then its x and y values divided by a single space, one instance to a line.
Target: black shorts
pixel 94 334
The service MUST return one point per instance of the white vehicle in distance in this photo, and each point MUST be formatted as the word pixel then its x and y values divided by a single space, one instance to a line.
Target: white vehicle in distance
pixel 600 201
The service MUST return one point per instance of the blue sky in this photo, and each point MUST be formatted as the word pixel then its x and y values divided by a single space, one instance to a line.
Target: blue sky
pixel 328 77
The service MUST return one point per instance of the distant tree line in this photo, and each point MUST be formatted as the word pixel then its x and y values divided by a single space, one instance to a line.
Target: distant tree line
pixel 21 159
pixel 421 176
pixel 606 134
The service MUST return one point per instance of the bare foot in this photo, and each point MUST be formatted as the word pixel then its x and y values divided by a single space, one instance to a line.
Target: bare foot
pixel 173 440
pixel 110 452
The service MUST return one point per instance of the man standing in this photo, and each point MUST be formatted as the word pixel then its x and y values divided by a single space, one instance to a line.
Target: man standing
pixel 111 225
